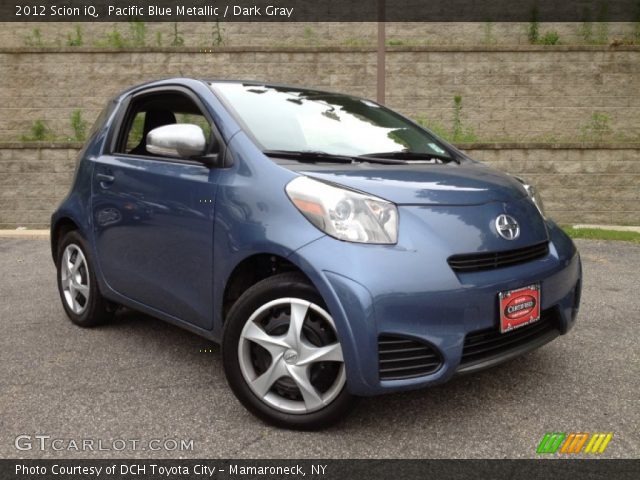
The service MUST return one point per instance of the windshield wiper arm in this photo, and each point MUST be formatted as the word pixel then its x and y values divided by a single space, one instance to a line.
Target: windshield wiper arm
pixel 313 156
pixel 309 156
pixel 408 156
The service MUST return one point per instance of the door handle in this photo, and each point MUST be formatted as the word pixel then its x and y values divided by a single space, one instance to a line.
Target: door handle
pixel 104 178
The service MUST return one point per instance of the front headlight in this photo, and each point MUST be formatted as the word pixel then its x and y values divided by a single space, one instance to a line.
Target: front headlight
pixel 534 195
pixel 345 214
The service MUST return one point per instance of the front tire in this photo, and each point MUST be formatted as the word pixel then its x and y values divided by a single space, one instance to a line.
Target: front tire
pixel 282 356
pixel 81 298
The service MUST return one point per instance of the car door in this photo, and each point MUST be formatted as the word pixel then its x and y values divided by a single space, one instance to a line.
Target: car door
pixel 153 215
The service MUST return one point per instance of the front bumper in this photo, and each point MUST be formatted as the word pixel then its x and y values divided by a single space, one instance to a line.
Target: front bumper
pixel 374 290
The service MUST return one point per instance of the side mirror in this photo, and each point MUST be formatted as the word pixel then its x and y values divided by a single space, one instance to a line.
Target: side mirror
pixel 182 140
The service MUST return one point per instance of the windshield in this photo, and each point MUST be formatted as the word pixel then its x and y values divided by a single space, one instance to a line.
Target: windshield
pixel 289 119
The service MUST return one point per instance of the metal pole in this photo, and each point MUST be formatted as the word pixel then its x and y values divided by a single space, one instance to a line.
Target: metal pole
pixel 381 53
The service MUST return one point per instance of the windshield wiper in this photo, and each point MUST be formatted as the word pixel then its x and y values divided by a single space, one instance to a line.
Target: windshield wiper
pixel 412 157
pixel 313 156
pixel 384 158
pixel 309 156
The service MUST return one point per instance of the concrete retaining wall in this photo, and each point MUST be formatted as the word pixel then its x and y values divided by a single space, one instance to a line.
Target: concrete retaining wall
pixel 518 93
pixel 20 34
pixel 579 183
pixel 521 93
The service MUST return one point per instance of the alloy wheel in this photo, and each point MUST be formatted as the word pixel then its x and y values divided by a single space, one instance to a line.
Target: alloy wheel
pixel 74 276
pixel 290 357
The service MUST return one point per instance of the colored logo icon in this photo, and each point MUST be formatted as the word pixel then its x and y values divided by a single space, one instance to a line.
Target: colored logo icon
pixel 573 443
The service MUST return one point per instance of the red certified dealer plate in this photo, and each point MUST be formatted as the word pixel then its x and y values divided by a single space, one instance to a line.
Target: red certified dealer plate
pixel 519 307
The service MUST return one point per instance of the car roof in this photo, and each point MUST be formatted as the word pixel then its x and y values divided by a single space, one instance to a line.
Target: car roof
pixel 275 85
pixel 187 80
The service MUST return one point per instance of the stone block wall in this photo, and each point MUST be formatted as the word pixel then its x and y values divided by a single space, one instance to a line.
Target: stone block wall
pixel 273 34
pixel 514 93
pixel 520 93
pixel 578 183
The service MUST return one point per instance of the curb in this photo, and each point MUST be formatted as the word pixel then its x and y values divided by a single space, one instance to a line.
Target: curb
pixel 24 233
pixel 617 228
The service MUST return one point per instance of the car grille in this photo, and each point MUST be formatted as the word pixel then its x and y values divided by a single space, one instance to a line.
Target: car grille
pixel 402 357
pixel 486 345
pixel 474 262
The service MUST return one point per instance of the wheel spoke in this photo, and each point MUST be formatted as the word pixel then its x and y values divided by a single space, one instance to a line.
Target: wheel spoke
pixel 274 345
pixel 297 317
pixel 300 375
pixel 75 266
pixel 262 384
pixel 328 353
pixel 83 289
pixel 75 306
pixel 66 263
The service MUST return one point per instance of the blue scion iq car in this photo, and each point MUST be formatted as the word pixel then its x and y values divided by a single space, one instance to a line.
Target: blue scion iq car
pixel 333 247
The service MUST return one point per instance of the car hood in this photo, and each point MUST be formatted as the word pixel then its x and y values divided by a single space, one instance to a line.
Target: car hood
pixel 471 184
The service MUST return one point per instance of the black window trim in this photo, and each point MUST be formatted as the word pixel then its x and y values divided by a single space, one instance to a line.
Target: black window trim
pixel 116 133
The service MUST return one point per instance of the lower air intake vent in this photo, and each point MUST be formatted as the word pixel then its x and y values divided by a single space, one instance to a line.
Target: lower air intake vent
pixel 491 346
pixel 402 357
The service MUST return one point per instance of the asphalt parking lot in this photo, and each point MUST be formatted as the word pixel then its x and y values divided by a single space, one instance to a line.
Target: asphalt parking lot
pixel 139 378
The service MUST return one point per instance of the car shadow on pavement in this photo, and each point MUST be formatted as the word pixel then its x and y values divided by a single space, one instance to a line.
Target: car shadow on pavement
pixel 463 399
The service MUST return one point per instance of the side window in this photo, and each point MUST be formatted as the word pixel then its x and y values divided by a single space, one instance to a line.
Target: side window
pixel 195 119
pixel 157 110
pixel 135 132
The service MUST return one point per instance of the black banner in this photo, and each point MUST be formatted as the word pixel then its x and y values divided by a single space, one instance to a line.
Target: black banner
pixel 319 469
pixel 320 11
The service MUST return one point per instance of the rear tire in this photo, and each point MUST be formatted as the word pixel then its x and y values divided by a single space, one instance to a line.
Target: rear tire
pixel 282 357
pixel 79 292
